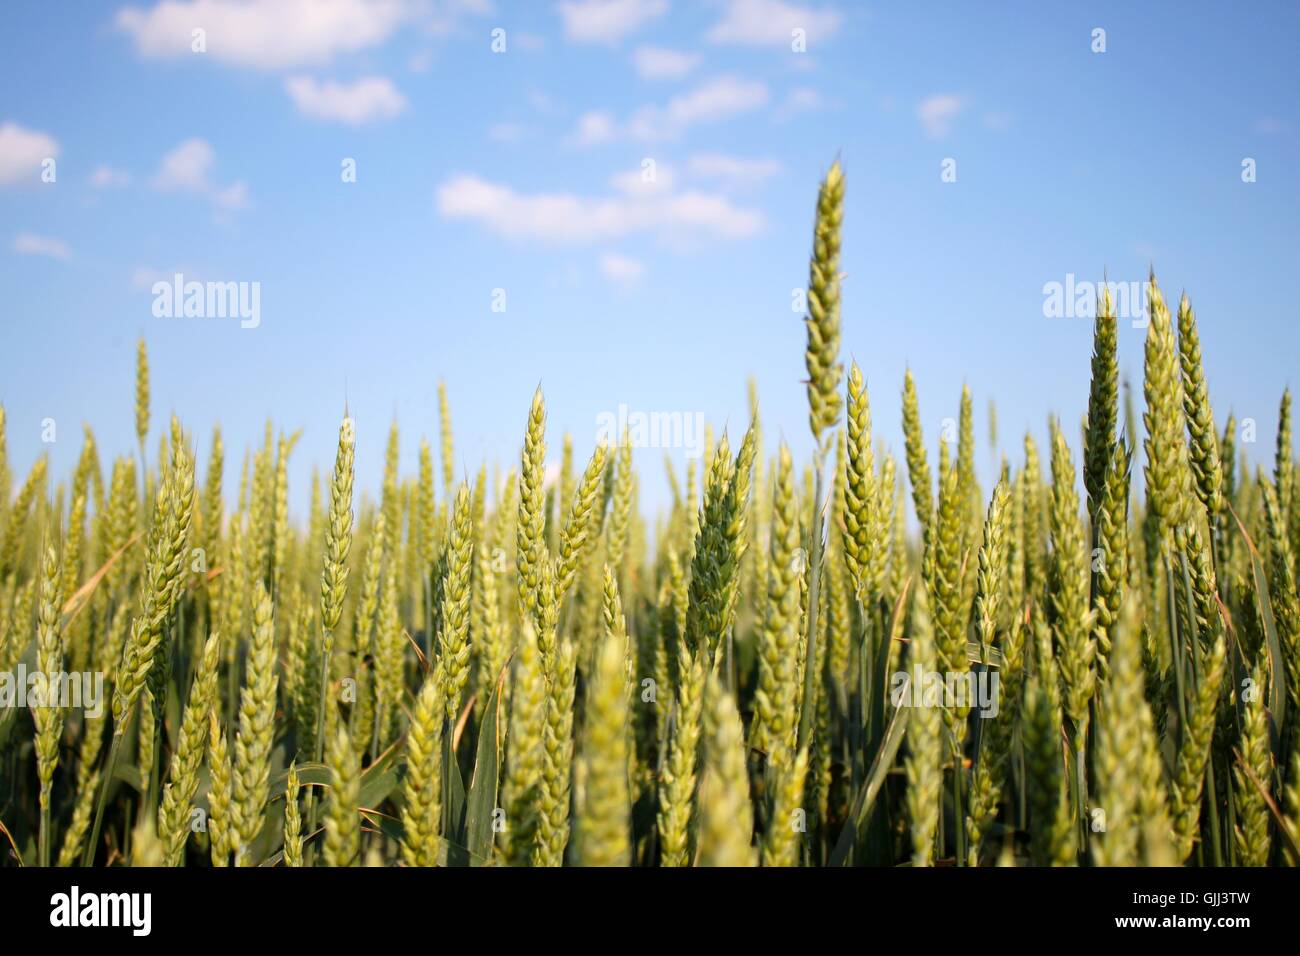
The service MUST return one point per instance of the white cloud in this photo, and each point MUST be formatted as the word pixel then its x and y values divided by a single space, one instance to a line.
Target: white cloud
pixel 937 112
pixel 568 218
pixel 234 196
pixel 263 34
pixel 650 180
pixel 801 99
pixel 21 153
pixel 772 22
pixel 733 171
pixel 607 21
pixel 445 16
pixel 367 100
pixel 660 63
pixel 710 102
pixel 188 168
pixel 621 269
pixel 30 244
pixel 106 177
pixel 595 127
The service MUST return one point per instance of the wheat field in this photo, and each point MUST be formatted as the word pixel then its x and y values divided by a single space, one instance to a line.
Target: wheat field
pixel 862 659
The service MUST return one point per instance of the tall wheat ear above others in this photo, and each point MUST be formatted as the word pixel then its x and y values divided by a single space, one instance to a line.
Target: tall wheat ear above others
pixel 821 356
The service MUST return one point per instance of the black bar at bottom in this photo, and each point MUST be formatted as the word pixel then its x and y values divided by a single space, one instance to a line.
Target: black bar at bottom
pixel 366 906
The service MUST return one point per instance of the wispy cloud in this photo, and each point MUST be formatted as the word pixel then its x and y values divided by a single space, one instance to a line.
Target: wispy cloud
pixel 21 153
pixel 661 63
pixel 710 102
pixel 607 21
pixel 1270 125
pixel 444 17
pixel 106 177
pixel 648 180
pixel 998 122
pixel 714 101
pixel 30 244
pixel 188 167
pixel 801 99
pixel 732 171
pixel 144 277
pixel 369 99
pixel 567 218
pixel 263 34
pixel 507 132
pixel 937 113
pixel 234 196
pixel 621 269
pixel 595 127
pixel 773 22
pixel 541 102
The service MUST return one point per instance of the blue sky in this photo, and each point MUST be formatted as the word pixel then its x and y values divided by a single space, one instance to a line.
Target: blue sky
pixel 521 170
